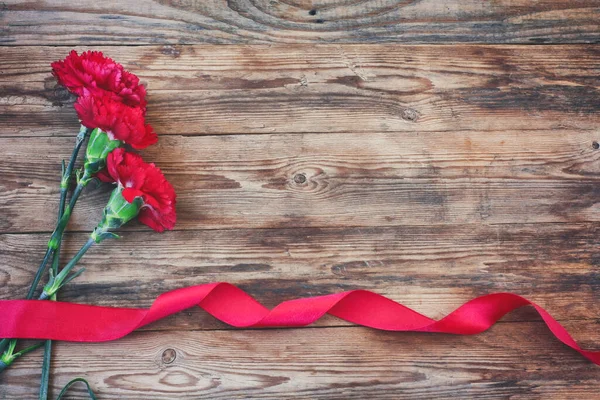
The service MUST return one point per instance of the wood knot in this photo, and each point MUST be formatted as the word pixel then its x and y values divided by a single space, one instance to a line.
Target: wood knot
pixel 168 356
pixel 410 115
pixel 56 93
pixel 595 145
pixel 306 179
pixel 300 179
pixel 172 51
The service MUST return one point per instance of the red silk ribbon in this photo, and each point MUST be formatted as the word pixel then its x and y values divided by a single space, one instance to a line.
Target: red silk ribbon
pixel 36 319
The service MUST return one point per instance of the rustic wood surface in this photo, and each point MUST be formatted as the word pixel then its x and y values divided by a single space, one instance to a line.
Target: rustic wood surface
pixel 357 89
pixel 68 22
pixel 429 151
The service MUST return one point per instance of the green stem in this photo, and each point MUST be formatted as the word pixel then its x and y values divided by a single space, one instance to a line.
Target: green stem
pixel 50 251
pixel 3 344
pixel 59 280
pixel 64 187
pixel 62 221
pixel 8 357
pixel 39 273
pixel 56 282
pixel 45 379
pixel 74 381
pixel 55 240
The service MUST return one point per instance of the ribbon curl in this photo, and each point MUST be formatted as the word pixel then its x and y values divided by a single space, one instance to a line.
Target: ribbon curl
pixel 34 319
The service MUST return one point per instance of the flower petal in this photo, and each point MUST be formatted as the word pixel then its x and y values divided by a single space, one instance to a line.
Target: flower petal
pixel 142 180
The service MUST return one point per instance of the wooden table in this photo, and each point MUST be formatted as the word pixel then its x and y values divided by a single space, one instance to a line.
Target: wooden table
pixel 430 151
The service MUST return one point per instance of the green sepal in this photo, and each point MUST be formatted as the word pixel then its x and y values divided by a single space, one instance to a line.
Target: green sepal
pixel 119 211
pixel 9 355
pixel 99 235
pixel 98 148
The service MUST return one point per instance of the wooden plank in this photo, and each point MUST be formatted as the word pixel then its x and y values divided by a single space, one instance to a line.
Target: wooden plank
pixel 333 180
pixel 430 174
pixel 330 88
pixel 516 360
pixel 431 269
pixel 317 21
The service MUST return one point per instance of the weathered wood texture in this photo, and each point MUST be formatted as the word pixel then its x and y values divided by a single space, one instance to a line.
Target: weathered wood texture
pixel 430 268
pixel 512 361
pixel 309 89
pixel 428 173
pixel 335 180
pixel 321 21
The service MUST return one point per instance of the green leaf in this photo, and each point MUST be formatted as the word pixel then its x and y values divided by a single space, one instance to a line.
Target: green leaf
pixel 73 276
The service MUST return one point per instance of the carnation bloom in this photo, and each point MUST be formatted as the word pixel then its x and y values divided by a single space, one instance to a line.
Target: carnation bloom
pixel 119 121
pixel 136 180
pixel 101 76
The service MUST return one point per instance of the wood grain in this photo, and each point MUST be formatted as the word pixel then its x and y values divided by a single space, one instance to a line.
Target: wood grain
pixel 414 148
pixel 333 180
pixel 430 268
pixel 316 21
pixel 516 360
pixel 318 89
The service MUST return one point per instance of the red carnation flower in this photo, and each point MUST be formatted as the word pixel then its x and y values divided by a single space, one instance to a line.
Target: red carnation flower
pixel 142 180
pixel 116 119
pixel 128 88
pixel 99 74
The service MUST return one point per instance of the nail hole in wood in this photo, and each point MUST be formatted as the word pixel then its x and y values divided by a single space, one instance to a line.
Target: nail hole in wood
pixel 168 356
pixel 595 145
pixel 312 12
pixel 319 21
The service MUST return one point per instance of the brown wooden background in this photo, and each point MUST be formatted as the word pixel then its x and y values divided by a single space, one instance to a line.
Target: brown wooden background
pixel 428 150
